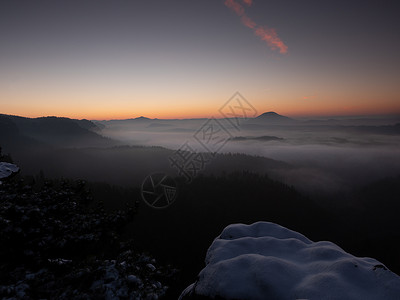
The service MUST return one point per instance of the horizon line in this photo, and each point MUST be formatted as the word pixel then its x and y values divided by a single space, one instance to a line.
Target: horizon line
pixel 300 116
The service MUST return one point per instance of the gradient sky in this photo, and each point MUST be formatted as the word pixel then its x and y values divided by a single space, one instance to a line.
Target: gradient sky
pixel 100 59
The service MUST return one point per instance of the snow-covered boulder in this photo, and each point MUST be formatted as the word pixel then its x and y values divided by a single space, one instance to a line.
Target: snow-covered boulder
pixel 7 170
pixel 267 261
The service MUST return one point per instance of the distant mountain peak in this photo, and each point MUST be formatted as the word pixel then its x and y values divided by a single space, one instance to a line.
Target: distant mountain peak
pixel 270 114
pixel 272 117
pixel 142 118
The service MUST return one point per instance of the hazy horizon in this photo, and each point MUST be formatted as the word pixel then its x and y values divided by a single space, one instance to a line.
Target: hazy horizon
pixel 294 116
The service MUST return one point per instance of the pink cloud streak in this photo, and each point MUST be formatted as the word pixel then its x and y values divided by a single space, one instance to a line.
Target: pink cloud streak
pixel 270 36
pixel 266 34
pixel 236 7
pixel 248 22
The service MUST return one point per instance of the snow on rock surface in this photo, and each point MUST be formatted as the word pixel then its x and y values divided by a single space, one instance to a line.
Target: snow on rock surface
pixel 7 169
pixel 267 261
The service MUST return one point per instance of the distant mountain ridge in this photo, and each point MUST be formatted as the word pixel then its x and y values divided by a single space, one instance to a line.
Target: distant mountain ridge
pixel 273 118
pixel 55 131
pixel 265 118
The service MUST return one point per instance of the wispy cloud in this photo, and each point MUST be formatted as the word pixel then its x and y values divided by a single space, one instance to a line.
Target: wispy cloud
pixel 236 7
pixel 270 36
pixel 266 34
pixel 248 22
pixel 248 2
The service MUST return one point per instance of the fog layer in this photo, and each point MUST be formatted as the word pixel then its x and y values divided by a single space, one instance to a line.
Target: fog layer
pixel 324 155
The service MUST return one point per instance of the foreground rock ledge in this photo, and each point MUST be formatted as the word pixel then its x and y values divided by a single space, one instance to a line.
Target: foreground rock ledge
pixel 7 170
pixel 267 261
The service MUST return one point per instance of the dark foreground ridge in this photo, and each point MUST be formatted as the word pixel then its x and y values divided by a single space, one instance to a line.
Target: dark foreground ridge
pixel 57 244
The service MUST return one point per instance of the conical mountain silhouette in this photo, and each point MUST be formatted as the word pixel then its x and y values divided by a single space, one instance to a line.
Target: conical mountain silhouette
pixel 273 118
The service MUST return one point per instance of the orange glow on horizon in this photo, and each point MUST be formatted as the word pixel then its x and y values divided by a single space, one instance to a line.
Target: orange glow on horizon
pixel 207 112
pixel 204 105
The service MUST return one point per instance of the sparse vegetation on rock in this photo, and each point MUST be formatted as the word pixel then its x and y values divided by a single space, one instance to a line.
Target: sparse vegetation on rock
pixel 56 243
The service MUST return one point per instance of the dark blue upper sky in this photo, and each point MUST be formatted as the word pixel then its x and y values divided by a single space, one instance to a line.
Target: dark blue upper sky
pixel 177 58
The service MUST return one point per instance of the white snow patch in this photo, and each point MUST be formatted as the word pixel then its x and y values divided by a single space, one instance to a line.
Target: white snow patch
pixel 268 261
pixel 60 261
pixel 7 169
pixel 151 267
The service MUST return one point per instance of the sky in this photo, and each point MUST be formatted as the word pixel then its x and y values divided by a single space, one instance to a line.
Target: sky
pixel 115 59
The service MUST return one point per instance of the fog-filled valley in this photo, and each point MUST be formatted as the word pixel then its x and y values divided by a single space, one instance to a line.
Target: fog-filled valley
pixel 318 155
pixel 315 156
pixel 333 179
